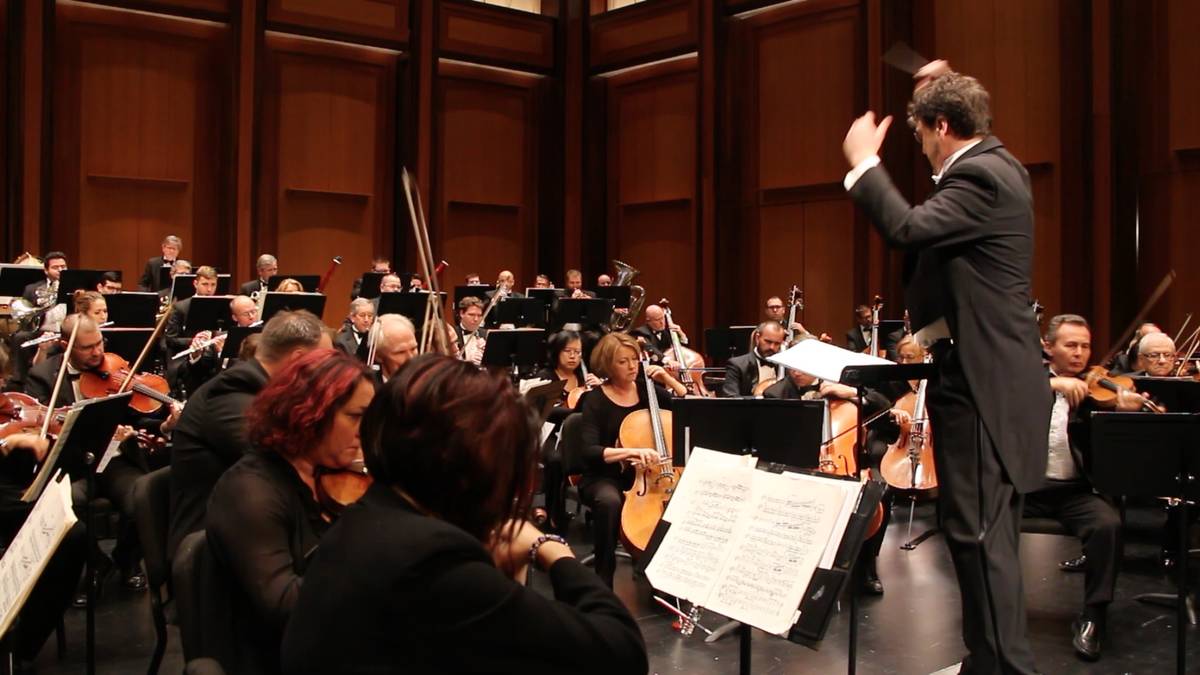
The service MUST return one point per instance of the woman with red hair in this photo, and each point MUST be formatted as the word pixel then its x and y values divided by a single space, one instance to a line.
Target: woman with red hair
pixel 264 518
pixel 423 574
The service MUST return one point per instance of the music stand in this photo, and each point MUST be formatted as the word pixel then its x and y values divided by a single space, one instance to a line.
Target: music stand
pixel 618 294
pixel 546 295
pixel 411 305
pixel 207 312
pixel 774 430
pixel 70 281
pixel 14 278
pixel 164 277
pixel 183 286
pixel 589 313
pixel 473 291
pixel 516 348
pixel 1176 394
pixel 520 312
pixel 237 335
pixel 369 288
pixel 127 342
pixel 133 309
pixel 722 344
pixel 307 281
pixel 277 302
pixel 1167 466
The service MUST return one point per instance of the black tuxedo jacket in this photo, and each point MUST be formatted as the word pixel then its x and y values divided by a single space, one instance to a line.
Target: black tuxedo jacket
pixel 346 341
pixel 741 375
pixel 149 280
pixel 250 287
pixel 174 340
pixel 855 341
pixel 969 255
pixel 39 383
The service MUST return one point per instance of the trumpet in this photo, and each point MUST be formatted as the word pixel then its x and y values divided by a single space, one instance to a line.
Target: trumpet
pixel 51 337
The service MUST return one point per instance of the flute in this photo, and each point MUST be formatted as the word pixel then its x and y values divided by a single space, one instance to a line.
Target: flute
pixel 50 337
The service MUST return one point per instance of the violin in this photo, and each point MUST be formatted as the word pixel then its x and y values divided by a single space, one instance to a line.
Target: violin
pixel 149 390
pixel 644 505
pixel 338 488
pixel 21 413
pixel 1104 388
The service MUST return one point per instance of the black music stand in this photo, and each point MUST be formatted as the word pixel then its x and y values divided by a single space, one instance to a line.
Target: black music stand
pixel 308 281
pixel 369 288
pixel 547 295
pixel 1174 393
pixel 277 302
pixel 70 281
pixel 1168 466
pixel 183 286
pixel 411 305
pixel 14 278
pixel 237 335
pixel 515 349
pixel 472 291
pixel 207 312
pixel 588 313
pixel 722 344
pixel 618 294
pixel 774 430
pixel 164 277
pixel 520 312
pixel 127 342
pixel 133 309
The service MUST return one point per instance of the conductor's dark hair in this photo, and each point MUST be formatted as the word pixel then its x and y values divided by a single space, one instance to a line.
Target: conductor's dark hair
pixel 959 99
pixel 459 442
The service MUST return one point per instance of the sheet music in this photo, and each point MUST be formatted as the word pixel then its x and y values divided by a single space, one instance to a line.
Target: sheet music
pixel 30 551
pixel 50 464
pixel 744 542
pixel 777 551
pixel 823 360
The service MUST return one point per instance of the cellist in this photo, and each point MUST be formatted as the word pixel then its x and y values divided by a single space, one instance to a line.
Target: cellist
pixel 605 467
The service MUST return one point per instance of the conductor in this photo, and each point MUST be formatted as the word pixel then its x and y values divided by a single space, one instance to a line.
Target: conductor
pixel 968 255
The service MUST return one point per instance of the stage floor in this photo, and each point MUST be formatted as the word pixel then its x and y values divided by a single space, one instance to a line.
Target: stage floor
pixel 912 629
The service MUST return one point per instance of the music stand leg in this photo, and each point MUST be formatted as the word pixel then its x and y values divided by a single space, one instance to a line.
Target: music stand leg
pixel 722 630
pixel 90 575
pixel 744 636
pixel 1181 602
pixel 852 648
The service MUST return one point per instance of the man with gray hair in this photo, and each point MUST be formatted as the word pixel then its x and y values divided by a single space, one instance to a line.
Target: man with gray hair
pixel 353 334
pixel 152 277
pixel 211 433
pixel 397 344
pixel 267 267
pixel 1156 355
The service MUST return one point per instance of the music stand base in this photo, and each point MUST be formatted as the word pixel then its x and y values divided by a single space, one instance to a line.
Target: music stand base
pixel 725 629
pixel 920 538
pixel 1170 601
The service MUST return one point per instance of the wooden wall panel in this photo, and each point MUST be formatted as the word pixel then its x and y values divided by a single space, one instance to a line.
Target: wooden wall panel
pixel 1183 25
pixel 652 184
pixel 495 35
pixel 210 9
pixel 643 32
pixel 381 21
pixel 486 172
pixel 7 218
pixel 145 160
pixel 326 177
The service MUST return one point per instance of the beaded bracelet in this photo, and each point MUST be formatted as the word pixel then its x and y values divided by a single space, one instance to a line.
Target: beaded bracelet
pixel 537 543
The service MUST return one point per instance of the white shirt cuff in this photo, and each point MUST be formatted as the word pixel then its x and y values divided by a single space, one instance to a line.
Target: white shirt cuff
pixel 858 171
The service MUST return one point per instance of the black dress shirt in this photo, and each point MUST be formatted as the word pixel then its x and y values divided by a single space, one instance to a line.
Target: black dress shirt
pixel 263 524
pixel 391 590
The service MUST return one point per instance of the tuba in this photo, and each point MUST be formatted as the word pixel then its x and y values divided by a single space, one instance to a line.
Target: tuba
pixel 622 322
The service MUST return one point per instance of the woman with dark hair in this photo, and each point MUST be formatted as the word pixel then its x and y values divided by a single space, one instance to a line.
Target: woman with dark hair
pixel 607 468
pixel 565 349
pixel 420 574
pixel 264 518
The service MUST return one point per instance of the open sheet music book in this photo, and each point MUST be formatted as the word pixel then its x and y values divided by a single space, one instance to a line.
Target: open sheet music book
pixel 744 542
pixel 30 551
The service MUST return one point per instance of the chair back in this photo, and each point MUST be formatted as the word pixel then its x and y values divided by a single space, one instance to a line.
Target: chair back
pixel 570 444
pixel 202 599
pixel 151 507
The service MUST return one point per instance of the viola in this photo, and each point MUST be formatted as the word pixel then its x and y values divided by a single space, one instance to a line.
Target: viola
pixel 150 391
pixel 338 488
pixel 21 413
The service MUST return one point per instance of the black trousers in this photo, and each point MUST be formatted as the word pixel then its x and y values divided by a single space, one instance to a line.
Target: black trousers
pixel 605 498
pixel 876 448
pixel 1098 526
pixel 980 513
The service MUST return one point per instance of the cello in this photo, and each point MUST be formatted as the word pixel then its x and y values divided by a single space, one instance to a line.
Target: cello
pixel 653 485
pixel 908 463
pixel 687 359
pixel 839 454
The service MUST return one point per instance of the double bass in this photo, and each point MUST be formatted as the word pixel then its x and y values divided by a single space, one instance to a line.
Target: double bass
pixel 654 484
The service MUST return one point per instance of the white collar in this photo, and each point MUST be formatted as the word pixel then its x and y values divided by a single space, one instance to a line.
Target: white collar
pixel 952 158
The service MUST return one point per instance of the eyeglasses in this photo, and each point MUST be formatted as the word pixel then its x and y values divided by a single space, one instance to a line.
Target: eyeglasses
pixel 572 352
pixel 774 306
pixel 1159 356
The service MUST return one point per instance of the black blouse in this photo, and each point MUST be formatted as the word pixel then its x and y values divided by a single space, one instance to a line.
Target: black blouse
pixel 602 424
pixel 392 590
pixel 263 524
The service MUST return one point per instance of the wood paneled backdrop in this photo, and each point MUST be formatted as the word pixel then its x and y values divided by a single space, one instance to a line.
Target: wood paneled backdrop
pixel 697 141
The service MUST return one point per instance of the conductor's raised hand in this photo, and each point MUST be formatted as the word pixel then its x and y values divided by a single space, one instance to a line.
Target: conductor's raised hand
pixel 864 138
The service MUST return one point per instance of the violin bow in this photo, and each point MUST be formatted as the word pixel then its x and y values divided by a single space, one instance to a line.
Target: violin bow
pixel 62 373
pixel 1118 345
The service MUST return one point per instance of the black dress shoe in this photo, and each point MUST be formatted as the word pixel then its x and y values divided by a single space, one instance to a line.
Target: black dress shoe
pixel 1086 638
pixel 871 584
pixel 135 581
pixel 1074 565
